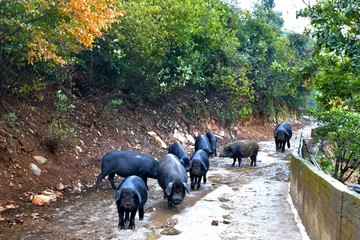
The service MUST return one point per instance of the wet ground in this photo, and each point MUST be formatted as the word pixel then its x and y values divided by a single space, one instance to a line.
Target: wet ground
pixel 236 203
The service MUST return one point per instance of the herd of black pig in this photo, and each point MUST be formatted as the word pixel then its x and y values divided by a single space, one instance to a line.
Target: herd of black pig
pixel 171 170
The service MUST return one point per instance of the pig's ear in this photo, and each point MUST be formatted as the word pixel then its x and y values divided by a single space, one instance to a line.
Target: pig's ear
pixel 186 187
pixel 169 188
pixel 138 195
pixel 117 195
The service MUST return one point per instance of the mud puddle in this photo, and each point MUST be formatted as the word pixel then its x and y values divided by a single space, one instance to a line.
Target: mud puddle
pixel 235 203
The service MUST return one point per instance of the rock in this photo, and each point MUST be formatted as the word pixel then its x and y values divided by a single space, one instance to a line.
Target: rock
pixel 35 216
pixel 159 141
pixel 190 139
pixel 222 133
pixel 58 194
pixel 9 206
pixel 78 187
pixel 41 200
pixel 179 136
pixel 60 187
pixel 215 223
pixel 49 193
pixel 224 198
pixel 40 159
pixel 78 148
pixel 35 169
pixel 170 231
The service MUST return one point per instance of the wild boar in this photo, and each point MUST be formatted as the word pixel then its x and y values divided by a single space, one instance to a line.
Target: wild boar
pixel 282 135
pixel 241 149
pixel 172 178
pixel 202 142
pixel 213 142
pixel 199 166
pixel 131 196
pixel 178 150
pixel 126 163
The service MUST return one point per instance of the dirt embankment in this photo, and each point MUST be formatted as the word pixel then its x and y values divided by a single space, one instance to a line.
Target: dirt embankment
pixel 99 129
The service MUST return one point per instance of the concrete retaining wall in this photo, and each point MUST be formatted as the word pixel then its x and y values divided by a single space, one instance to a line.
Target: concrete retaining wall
pixel 327 208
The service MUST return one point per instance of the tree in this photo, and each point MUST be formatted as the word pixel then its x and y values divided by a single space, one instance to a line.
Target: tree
pixel 167 46
pixel 333 71
pixel 38 38
pixel 53 30
pixel 270 53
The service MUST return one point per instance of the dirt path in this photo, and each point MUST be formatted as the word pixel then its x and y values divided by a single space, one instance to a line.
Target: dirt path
pixel 236 203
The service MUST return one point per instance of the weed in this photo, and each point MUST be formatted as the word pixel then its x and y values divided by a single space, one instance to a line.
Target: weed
pixel 10 118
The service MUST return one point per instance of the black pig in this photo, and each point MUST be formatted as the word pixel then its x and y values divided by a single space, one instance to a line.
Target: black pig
pixel 131 195
pixel 199 165
pixel 240 149
pixel 213 141
pixel 178 150
pixel 126 163
pixel 202 142
pixel 282 135
pixel 172 178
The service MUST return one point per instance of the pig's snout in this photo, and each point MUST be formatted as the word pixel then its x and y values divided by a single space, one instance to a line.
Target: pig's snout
pixel 127 205
pixel 196 171
pixel 177 201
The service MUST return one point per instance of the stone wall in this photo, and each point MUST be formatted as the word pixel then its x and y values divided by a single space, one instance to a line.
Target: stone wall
pixel 327 208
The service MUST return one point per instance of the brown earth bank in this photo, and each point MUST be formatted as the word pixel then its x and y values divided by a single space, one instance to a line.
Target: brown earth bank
pixel 75 163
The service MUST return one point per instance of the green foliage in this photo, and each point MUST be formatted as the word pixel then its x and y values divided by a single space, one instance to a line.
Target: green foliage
pixel 37 85
pixel 271 54
pixel 115 103
pixel 341 129
pixel 113 106
pixel 191 113
pixel 59 132
pixel 159 48
pixel 10 118
pixel 59 129
pixel 333 72
pixel 326 165
pixel 336 29
pixel 165 46
pixel 62 104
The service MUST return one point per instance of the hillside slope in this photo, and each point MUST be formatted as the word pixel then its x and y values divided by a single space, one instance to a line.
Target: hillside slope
pixel 99 129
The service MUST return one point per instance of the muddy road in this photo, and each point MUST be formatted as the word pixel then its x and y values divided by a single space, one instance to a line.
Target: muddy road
pixel 235 203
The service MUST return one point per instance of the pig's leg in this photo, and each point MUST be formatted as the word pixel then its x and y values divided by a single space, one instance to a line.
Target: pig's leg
pixel 198 183
pixel 111 179
pixel 101 176
pixel 193 180
pixel 141 213
pixel 234 162
pixel 127 216
pixel 132 219
pixel 121 219
pixel 239 159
